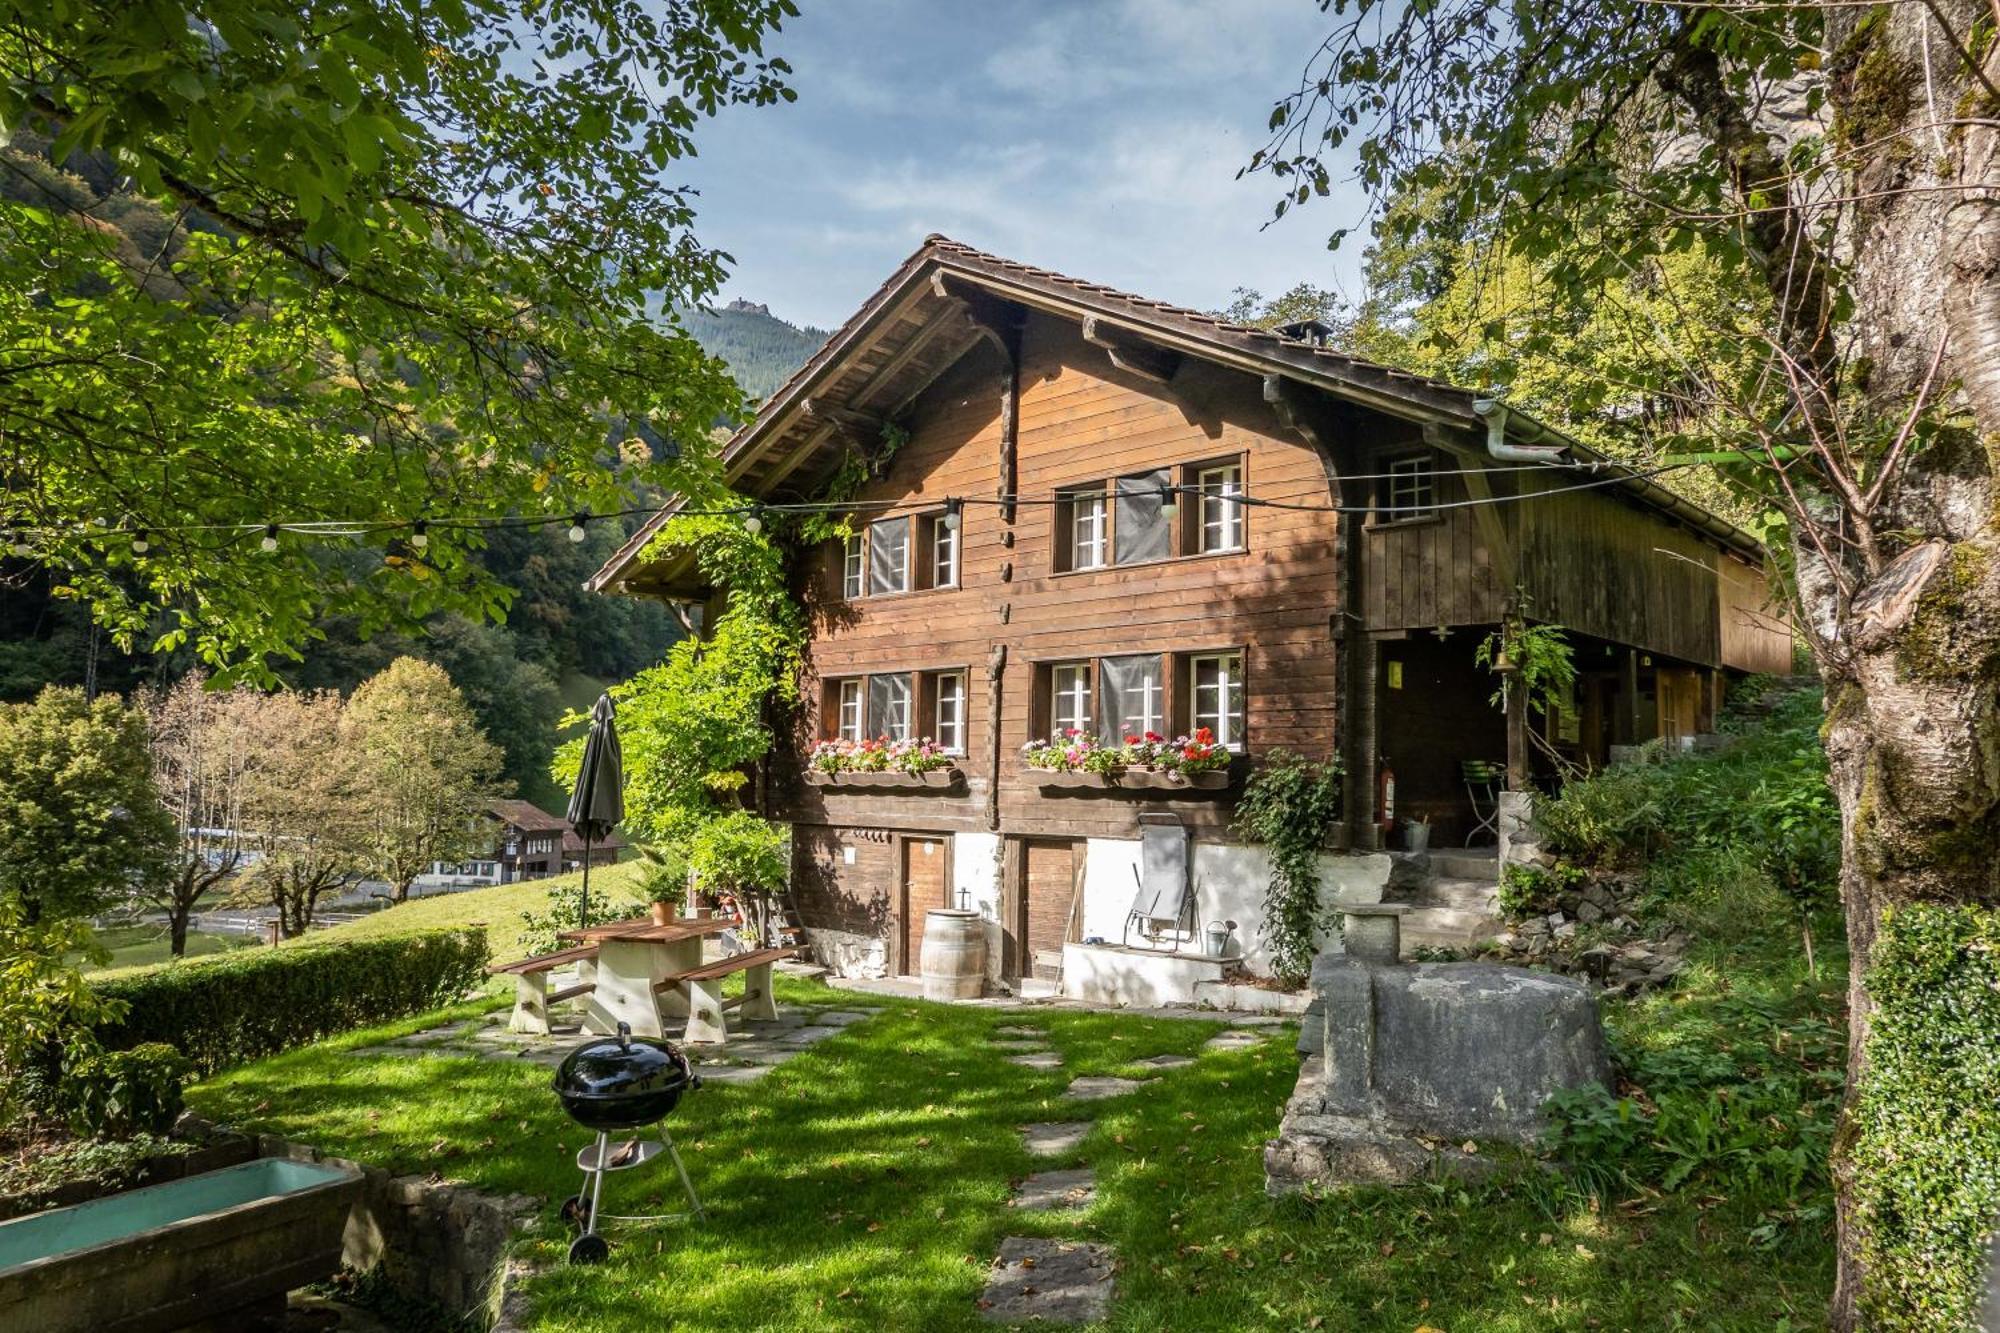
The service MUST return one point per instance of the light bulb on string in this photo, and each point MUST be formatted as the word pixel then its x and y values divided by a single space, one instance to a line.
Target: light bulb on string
pixel 419 535
pixel 576 528
pixel 752 523
pixel 19 545
pixel 1169 502
pixel 270 542
pixel 139 543
pixel 951 515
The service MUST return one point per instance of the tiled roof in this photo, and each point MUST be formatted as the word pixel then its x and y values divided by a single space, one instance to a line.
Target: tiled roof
pixel 527 816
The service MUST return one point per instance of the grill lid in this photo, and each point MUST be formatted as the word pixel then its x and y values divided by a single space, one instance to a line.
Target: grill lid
pixel 613 1068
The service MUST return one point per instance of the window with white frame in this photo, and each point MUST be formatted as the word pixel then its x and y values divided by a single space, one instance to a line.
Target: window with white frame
pixel 1412 488
pixel 889 707
pixel 847 710
pixel 948 711
pixel 851 584
pixel 1135 700
pixel 1216 696
pixel 1089 535
pixel 1221 489
pixel 1069 697
pixel 944 551
pixel 889 556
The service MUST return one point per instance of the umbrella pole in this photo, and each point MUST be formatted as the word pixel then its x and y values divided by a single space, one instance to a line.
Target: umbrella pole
pixel 584 924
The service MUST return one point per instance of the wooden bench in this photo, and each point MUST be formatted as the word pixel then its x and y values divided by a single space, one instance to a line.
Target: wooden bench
pixel 706 1007
pixel 531 986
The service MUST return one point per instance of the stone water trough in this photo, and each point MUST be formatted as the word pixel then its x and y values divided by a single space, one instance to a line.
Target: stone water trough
pixel 215 1249
pixel 1408 1064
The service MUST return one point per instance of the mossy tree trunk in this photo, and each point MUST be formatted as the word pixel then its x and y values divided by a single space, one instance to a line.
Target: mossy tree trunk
pixel 1907 619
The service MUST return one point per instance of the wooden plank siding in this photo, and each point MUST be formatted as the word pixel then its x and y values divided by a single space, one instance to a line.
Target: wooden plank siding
pixel 1081 420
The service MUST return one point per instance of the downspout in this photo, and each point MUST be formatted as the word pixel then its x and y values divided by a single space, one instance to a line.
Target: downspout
pixel 1494 413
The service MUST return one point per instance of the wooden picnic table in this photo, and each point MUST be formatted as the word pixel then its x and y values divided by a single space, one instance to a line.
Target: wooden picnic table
pixel 633 959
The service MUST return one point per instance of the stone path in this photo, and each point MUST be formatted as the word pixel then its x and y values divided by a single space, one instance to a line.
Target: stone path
pixel 1054 1138
pixel 1235 1039
pixel 1166 1061
pixel 1037 1060
pixel 1048 1190
pixel 1096 1087
pixel 753 1050
pixel 1056 1281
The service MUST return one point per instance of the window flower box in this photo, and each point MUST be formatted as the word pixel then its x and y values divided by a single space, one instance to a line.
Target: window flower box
pixel 1074 759
pixel 933 779
pixel 1131 779
pixel 883 765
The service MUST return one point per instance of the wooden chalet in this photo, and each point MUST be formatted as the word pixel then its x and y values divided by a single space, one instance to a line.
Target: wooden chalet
pixel 1167 520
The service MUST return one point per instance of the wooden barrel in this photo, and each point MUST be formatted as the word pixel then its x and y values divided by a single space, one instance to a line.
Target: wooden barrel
pixel 954 954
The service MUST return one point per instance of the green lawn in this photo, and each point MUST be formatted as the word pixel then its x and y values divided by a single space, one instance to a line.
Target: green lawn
pixel 863 1185
pixel 498 908
pixel 142 946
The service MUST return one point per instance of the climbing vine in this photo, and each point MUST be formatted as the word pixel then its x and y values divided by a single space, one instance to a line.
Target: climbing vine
pixel 1288 805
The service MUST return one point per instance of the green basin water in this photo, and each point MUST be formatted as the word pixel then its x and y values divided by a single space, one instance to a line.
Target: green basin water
pixel 101 1221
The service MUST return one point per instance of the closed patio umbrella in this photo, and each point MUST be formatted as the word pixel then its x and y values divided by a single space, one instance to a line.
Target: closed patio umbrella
pixel 598 802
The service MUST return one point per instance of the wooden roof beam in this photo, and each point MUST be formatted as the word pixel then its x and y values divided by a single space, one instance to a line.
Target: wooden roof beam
pixel 1145 360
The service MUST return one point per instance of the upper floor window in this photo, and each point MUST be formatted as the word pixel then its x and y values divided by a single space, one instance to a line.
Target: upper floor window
pixel 1135 701
pixel 847 715
pixel 1411 490
pixel 1069 697
pixel 850 566
pixel 1083 528
pixel 889 707
pixel 943 530
pixel 1221 510
pixel 1215 683
pixel 889 556
pixel 948 711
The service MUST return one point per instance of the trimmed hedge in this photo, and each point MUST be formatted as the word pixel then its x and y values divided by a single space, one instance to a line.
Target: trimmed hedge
pixel 234 1008
pixel 1927 1157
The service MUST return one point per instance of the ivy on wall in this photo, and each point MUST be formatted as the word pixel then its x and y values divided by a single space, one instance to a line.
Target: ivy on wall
pixel 1289 805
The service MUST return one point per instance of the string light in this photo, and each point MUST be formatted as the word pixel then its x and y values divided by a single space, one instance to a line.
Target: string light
pixel 752 523
pixel 576 529
pixel 139 543
pixel 951 509
pixel 19 544
pixel 270 542
pixel 1169 502
pixel 419 535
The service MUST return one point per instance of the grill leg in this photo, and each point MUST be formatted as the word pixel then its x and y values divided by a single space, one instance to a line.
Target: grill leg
pixel 595 1180
pixel 686 1184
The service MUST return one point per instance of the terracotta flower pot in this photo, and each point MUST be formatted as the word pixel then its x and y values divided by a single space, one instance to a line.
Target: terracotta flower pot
pixel 663 912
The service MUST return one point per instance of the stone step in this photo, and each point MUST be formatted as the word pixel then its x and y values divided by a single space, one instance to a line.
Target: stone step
pixel 1451 918
pixel 1481 894
pixel 1479 863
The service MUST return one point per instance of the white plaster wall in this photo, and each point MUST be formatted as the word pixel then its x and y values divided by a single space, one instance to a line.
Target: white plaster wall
pixel 975 877
pixel 1229 885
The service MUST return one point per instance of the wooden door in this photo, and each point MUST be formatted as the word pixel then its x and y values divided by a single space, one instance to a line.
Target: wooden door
pixel 1049 882
pixel 926 884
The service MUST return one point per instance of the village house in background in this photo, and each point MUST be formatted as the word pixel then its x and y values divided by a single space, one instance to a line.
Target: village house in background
pixel 528 843
pixel 1177 525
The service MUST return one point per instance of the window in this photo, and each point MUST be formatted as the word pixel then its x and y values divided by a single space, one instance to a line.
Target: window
pixel 1085 529
pixel 948 711
pixel 1069 697
pixel 944 550
pixel 1216 686
pixel 889 707
pixel 1221 510
pixel 1142 530
pixel 850 567
pixel 1412 489
pixel 889 556
pixel 847 710
pixel 1135 701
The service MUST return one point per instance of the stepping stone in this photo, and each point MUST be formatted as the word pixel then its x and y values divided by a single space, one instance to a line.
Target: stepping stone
pixel 1019 1044
pixel 1054 1138
pixel 1019 1031
pixel 1095 1087
pixel 1037 1060
pixel 1046 1190
pixel 808 1036
pixel 1058 1282
pixel 1166 1061
pixel 841 1017
pixel 1234 1040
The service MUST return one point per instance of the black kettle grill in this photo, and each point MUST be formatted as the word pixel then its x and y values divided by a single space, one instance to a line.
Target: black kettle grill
pixel 610 1085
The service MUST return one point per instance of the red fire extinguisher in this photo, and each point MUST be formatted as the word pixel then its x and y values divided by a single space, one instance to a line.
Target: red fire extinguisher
pixel 1385 797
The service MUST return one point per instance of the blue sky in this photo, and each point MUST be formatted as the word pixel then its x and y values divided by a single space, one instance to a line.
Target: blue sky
pixel 1100 138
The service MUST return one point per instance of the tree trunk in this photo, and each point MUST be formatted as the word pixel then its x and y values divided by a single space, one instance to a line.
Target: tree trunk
pixel 177 931
pixel 1913 678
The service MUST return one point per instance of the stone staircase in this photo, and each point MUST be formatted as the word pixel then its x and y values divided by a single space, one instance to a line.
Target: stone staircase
pixel 1453 900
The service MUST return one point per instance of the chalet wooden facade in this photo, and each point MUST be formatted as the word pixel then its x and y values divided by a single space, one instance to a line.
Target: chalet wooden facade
pixel 1103 512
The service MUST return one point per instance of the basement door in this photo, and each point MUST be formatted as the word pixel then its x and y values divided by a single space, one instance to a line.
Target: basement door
pixel 1050 876
pixel 926 884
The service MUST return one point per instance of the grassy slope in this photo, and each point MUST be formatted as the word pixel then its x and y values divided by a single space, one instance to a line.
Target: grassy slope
pixel 498 909
pixel 863 1185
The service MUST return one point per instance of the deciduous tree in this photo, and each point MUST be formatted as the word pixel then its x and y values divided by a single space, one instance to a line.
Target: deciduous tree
pixel 304 806
pixel 424 767
pixel 201 764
